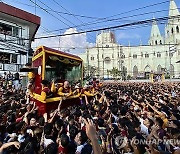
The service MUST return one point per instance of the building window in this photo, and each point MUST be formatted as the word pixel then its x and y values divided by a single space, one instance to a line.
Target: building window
pixel 9 30
pixel 172 30
pixel 177 29
pixel 154 53
pixel 171 54
pixel 14 58
pixel 118 54
pixel 15 31
pixel 5 29
pixel 102 56
pixel 92 58
pixel 5 58
pixel 158 54
pixel 156 42
pixel 146 55
pixel 141 54
pixel 134 56
pixel 160 42
pixel 107 60
pixel 112 55
pixel 123 56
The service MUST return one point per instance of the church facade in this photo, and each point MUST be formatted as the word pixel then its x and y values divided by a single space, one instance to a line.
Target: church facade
pixel 160 55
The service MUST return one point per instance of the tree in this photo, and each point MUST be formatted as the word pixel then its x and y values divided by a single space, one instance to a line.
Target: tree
pixel 115 72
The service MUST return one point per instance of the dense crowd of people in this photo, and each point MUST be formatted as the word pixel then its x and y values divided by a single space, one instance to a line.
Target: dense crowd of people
pixel 131 118
pixel 9 78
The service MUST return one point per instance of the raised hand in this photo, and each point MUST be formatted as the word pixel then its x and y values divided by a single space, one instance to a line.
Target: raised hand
pixel 90 129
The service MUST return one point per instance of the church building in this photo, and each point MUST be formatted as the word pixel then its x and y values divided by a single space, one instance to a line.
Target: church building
pixel 160 55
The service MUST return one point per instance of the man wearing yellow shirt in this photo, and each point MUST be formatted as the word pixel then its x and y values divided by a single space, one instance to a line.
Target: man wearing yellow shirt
pixel 45 92
pixel 88 92
pixel 56 86
pixel 77 92
pixel 162 115
pixel 65 90
pixel 31 74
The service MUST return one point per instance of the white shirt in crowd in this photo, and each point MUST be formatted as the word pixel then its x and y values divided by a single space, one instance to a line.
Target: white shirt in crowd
pixel 144 129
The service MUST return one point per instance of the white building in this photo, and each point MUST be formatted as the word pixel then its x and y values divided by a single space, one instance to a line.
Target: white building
pixel 17 30
pixel 160 55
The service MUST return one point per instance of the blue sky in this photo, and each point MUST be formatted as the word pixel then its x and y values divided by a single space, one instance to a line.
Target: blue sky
pixel 98 9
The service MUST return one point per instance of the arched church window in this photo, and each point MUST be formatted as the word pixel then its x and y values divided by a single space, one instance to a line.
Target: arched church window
pixel 146 55
pixel 134 56
pixel 177 29
pixel 156 42
pixel 170 54
pixel 158 54
pixel 92 58
pixel 107 60
pixel 123 56
pixel 172 30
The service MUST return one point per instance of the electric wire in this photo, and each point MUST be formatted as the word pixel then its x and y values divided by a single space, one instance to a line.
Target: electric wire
pixel 141 22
